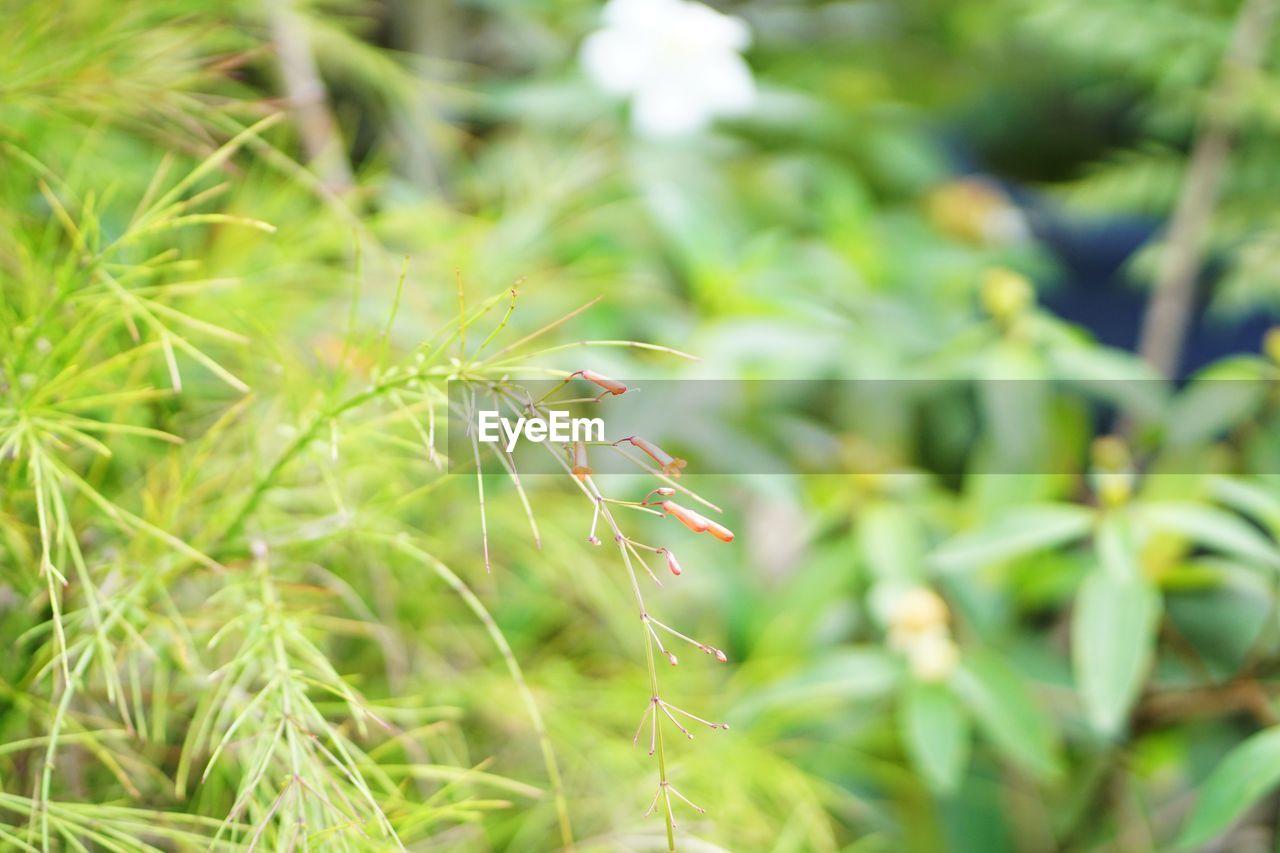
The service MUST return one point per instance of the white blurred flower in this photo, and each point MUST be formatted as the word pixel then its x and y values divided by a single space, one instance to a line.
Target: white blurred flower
pixel 933 656
pixel 678 60
pixel 917 610
pixel 907 608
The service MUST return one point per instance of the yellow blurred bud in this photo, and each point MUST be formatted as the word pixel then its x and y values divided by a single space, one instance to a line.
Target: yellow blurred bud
pixel 1110 453
pixel 1113 476
pixel 1271 344
pixel 869 462
pixel 975 211
pixel 1113 488
pixel 1006 294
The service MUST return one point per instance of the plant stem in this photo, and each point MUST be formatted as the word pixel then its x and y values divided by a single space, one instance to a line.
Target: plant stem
pixel 267 480
pixel 648 655
pixel 1168 314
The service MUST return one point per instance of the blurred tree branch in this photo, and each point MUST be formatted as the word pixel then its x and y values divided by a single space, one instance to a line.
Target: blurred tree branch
pixel 307 96
pixel 1168 313
pixel 425 29
pixel 1247 696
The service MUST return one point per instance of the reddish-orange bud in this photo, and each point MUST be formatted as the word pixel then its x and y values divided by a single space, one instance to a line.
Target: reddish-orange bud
pixel 675 661
pixel 672 563
pixel 697 522
pixel 613 387
pixel 669 464
pixel 719 531
pixel 581 467
pixel 690 519
pixel 723 658
pixel 666 493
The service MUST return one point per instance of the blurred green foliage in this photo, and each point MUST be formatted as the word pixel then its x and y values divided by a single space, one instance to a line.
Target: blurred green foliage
pixel 245 607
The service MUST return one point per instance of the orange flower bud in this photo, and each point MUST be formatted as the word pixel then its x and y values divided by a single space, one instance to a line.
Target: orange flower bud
pixel 697 522
pixel 719 531
pixel 672 563
pixel 669 464
pixel 581 466
pixel 609 385
pixel 690 519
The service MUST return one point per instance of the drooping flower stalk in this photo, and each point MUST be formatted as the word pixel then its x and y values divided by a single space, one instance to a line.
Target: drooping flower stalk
pixel 572 460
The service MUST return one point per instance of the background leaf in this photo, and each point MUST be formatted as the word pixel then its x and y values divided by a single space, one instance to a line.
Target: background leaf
pixel 891 541
pixel 1250 498
pixel 1248 773
pixel 1016 532
pixel 1008 714
pixel 1112 638
pixel 1215 529
pixel 936 730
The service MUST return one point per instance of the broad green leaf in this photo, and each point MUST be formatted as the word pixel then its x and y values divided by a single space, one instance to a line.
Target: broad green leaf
pixel 1015 400
pixel 1112 641
pixel 1248 773
pixel 853 675
pixel 1220 398
pixel 1007 713
pixel 1250 498
pixel 1016 532
pixel 1113 375
pixel 936 732
pixel 991 495
pixel 1215 529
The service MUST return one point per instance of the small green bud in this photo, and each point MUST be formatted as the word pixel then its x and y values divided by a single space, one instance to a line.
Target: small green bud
pixel 1110 453
pixel 1271 344
pixel 1113 477
pixel 1006 294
